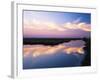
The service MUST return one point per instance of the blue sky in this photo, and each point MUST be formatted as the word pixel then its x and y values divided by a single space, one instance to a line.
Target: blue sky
pixel 58 17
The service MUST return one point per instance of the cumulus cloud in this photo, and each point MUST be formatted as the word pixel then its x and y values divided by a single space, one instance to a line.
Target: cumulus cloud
pixel 80 26
pixel 51 26
pixel 67 47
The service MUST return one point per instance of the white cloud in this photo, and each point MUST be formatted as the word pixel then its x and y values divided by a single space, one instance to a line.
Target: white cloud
pixel 41 25
pixel 80 26
pixel 51 26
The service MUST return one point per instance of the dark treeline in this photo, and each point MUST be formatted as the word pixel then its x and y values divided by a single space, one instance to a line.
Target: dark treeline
pixel 48 41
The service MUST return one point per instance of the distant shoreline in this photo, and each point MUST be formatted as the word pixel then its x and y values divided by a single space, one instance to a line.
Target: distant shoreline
pixel 50 41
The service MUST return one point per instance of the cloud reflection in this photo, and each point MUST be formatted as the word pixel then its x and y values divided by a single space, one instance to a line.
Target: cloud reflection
pixel 74 46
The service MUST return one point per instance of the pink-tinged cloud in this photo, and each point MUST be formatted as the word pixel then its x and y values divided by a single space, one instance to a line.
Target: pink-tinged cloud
pixel 35 27
pixel 67 47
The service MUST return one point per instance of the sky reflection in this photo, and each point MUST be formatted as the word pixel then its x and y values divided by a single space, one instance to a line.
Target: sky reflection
pixel 71 47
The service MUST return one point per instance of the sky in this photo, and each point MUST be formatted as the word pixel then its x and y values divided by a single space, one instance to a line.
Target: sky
pixel 48 24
